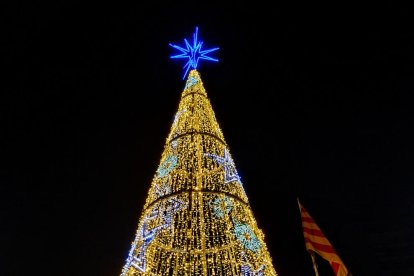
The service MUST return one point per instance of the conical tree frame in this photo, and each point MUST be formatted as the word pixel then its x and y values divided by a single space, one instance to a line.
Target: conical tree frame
pixel 197 219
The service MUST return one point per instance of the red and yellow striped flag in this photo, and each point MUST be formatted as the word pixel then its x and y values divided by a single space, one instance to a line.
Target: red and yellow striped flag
pixel 316 241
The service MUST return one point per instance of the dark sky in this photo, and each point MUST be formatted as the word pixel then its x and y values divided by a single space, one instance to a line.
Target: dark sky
pixel 315 101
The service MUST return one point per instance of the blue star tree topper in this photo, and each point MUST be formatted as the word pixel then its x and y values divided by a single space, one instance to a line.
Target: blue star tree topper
pixel 193 53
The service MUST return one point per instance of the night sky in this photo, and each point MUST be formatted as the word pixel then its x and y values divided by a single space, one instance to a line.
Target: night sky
pixel 315 101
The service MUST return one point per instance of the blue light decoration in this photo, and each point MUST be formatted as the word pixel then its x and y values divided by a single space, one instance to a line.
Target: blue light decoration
pixel 164 170
pixel 167 166
pixel 245 235
pixel 146 235
pixel 190 82
pixel 230 172
pixel 193 53
pixel 247 270
pixel 131 259
pixel 221 206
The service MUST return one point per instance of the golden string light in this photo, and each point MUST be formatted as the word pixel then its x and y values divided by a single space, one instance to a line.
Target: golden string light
pixel 197 219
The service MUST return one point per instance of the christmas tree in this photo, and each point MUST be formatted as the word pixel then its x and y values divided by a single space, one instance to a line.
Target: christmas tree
pixel 197 219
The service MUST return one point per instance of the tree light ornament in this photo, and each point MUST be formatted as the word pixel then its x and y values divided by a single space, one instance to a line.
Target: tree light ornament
pixel 221 206
pixel 230 172
pixel 191 81
pixel 247 270
pixel 167 166
pixel 246 236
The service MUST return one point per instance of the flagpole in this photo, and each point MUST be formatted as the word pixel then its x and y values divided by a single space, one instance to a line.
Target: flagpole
pixel 315 267
pixel 297 199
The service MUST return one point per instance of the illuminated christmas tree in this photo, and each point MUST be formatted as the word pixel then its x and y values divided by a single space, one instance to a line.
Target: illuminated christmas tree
pixel 197 219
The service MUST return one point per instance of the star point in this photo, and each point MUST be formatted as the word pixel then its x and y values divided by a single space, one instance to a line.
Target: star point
pixel 193 53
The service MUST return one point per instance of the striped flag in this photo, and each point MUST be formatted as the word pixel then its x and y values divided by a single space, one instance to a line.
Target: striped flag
pixel 316 241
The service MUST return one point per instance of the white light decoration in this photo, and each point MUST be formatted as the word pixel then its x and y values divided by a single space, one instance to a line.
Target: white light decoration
pixel 247 270
pixel 230 173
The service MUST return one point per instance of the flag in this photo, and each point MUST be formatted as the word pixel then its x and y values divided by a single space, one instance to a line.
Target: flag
pixel 316 241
